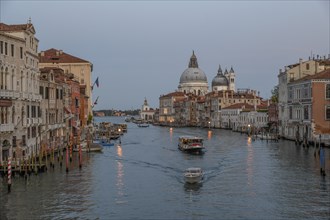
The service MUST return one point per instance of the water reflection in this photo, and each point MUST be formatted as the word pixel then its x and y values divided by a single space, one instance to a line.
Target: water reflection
pixel 120 176
pixel 119 151
pixel 192 187
pixel 171 134
pixel 209 134
pixel 249 165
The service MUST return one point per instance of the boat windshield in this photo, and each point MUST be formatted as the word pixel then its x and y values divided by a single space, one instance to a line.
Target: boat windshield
pixel 191 140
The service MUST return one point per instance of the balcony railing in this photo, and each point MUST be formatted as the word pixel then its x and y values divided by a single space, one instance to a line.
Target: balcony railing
pixel 7 128
pixel 6 93
pixel 25 95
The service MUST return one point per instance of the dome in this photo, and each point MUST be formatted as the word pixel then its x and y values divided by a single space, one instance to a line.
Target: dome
pixel 220 79
pixel 193 75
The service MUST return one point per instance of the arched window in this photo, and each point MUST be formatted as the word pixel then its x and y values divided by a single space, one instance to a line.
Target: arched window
pixel 1 78
pixel 5 79
pixel 13 80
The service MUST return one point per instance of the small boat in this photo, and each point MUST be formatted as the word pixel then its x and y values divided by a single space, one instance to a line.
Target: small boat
pixel 105 143
pixel 143 125
pixel 193 175
pixel 94 148
pixel 191 144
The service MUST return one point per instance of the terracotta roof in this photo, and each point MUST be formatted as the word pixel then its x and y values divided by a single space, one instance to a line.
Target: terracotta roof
pixel 58 56
pixel 16 27
pixel 325 74
pixel 173 94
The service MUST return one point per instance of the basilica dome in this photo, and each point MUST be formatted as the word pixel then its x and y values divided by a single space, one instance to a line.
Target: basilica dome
pixel 193 79
pixel 220 79
pixel 193 75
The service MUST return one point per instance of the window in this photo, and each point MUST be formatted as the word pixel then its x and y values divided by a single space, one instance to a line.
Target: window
pixel 6 52
pixel 47 93
pixel 41 91
pixel 291 77
pixel 307 66
pixel 327 91
pixel 14 141
pixel 23 140
pixel 306 114
pixel 1 47
pixel 327 112
pixel 12 49
pixel 290 112
pixel 28 111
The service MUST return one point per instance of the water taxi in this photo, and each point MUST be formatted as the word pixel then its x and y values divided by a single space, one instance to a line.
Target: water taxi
pixel 193 175
pixel 191 144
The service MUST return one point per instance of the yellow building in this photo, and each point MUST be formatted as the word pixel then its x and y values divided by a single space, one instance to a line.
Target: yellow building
pixel 81 69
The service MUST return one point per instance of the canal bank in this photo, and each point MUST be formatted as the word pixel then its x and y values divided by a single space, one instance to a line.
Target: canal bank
pixel 143 179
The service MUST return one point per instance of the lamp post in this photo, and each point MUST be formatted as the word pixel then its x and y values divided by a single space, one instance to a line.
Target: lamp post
pixel 209 124
pixel 249 129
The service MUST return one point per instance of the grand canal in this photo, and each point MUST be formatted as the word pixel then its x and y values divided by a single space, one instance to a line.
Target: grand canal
pixel 142 179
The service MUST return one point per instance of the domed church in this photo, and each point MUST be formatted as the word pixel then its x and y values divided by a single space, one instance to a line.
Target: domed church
pixel 224 81
pixel 193 79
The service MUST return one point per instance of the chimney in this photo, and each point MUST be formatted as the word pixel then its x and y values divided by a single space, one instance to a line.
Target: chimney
pixel 42 53
pixel 57 53
pixel 61 52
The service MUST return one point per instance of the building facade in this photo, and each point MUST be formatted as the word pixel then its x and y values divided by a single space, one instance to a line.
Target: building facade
pixel 82 70
pixel 295 106
pixel 19 93
pixel 147 113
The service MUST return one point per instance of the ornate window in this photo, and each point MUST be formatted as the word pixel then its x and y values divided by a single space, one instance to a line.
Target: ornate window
pixel 327 112
pixel 327 91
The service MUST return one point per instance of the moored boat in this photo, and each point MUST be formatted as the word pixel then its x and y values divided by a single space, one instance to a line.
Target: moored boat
pixel 191 144
pixel 193 175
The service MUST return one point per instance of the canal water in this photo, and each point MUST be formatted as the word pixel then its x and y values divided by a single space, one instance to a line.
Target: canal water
pixel 142 178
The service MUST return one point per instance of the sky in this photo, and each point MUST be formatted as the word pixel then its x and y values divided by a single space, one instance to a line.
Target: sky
pixel 139 49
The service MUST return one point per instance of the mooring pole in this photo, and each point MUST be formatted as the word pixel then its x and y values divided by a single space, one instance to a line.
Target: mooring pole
pixel 9 175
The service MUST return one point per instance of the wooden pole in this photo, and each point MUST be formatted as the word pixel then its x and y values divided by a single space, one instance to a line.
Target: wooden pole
pixel 67 159
pixel 9 175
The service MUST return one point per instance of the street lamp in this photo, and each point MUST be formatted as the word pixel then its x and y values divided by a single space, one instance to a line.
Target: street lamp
pixel 209 124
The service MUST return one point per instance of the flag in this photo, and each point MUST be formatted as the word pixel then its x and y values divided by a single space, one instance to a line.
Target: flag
pixel 96 82
pixel 95 103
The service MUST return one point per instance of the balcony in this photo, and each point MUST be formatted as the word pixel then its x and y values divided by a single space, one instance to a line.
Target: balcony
pixel 36 97
pixel 16 95
pixel 6 94
pixel 25 96
pixel 7 128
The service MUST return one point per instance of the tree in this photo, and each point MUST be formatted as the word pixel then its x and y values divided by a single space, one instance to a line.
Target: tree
pixel 274 92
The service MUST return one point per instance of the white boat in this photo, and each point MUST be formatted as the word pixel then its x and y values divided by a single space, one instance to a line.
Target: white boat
pixel 193 175
pixel 143 125
pixel 191 144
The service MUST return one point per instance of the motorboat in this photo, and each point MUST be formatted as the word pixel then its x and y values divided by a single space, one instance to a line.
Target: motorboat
pixel 193 175
pixel 143 125
pixel 191 144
